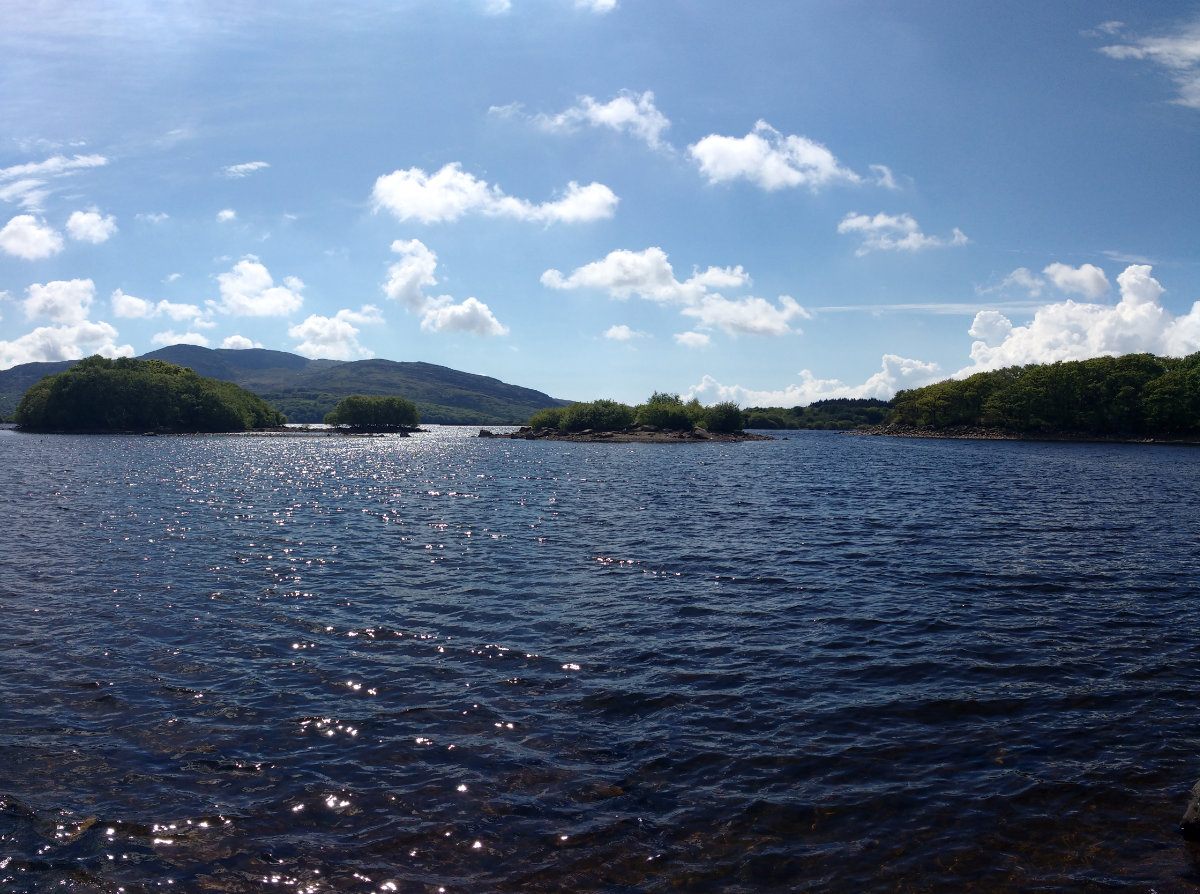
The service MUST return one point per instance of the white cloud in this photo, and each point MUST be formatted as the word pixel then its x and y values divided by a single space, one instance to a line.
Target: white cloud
pixel 179 338
pixel 225 215
pixel 406 283
pixel 239 343
pixel 63 301
pixel 26 237
pixel 68 342
pixel 621 332
pixel 245 169
pixel 451 193
pixel 154 217
pixel 770 159
pixel 91 226
pixel 28 184
pixel 471 315
pixel 1177 53
pixel 893 232
pixel 895 373
pixel 884 177
pixel 692 339
pixel 628 112
pixel 648 275
pixel 596 6
pixel 249 291
pixel 408 276
pixel 1025 279
pixel 1072 330
pixel 132 307
pixel 336 337
pixel 497 7
pixel 1087 280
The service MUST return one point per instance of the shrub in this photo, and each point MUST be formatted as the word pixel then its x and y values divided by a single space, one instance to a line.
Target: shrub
pixel 550 417
pixel 598 415
pixel 723 417
pixel 363 413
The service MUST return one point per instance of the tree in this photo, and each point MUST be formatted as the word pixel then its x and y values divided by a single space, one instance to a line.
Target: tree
pixel 359 412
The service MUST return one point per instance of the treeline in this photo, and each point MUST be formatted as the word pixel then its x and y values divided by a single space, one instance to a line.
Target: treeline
pixel 662 411
pixel 1137 395
pixel 128 394
pixel 835 413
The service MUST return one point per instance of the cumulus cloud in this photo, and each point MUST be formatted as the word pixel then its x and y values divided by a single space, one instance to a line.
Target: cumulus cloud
pixel 248 290
pixel 29 184
pixel 26 237
pixel 132 307
pixel 497 7
pixel 225 215
pixel 596 6
pixel 1078 330
pixel 692 339
pixel 628 112
pixel 63 301
pixel 895 373
pixel 648 274
pixel 452 193
pixel 1178 53
pixel 768 158
pixel 171 337
pixel 1087 280
pixel 336 337
pixel 245 169
pixel 406 282
pixel 621 332
pixel 66 342
pixel 893 232
pixel 239 343
pixel 91 226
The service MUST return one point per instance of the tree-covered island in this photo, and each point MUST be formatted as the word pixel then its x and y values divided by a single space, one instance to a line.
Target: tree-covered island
pixel 132 395
pixel 664 417
pixel 362 413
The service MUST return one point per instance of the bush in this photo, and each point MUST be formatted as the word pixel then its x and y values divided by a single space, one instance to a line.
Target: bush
pixel 598 415
pixel 550 417
pixel 723 417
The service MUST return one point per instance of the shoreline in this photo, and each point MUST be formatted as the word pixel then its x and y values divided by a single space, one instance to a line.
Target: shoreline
pixel 637 436
pixel 980 433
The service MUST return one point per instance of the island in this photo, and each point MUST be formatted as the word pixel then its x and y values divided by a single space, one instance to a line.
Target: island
pixel 664 418
pixel 141 396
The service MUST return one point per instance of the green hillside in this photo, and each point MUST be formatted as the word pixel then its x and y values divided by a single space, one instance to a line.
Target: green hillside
pixel 305 390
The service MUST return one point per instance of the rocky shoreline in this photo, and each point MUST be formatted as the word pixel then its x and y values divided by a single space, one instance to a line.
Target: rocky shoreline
pixel 645 434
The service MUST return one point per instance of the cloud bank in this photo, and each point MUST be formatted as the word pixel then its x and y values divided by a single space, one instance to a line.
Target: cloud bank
pixel 1079 330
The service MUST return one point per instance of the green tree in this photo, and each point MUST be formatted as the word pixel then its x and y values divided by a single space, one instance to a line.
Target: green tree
pixel 597 415
pixel 360 412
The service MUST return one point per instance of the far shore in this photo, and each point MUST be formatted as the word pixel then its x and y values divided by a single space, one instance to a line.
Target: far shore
pixel 980 433
pixel 643 435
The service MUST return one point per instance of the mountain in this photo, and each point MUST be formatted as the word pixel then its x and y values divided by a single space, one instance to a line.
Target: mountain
pixel 305 390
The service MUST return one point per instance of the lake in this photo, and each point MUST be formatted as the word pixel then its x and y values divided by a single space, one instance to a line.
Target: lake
pixel 439 663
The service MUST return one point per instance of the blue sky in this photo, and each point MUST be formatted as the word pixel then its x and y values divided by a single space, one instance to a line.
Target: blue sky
pixel 772 202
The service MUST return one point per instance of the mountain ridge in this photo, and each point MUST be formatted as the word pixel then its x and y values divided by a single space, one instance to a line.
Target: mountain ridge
pixel 305 390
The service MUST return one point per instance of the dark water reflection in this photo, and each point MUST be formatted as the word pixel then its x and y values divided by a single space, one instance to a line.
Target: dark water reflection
pixel 822 663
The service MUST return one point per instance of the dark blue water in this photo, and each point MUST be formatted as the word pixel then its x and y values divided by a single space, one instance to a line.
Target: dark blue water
pixel 827 663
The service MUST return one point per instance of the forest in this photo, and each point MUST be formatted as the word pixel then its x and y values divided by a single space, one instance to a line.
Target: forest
pixel 1136 395
pixel 130 394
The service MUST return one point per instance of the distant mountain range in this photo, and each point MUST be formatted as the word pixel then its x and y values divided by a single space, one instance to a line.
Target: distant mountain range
pixel 305 390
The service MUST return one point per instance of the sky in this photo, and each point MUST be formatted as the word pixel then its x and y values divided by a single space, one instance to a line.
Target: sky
pixel 771 202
